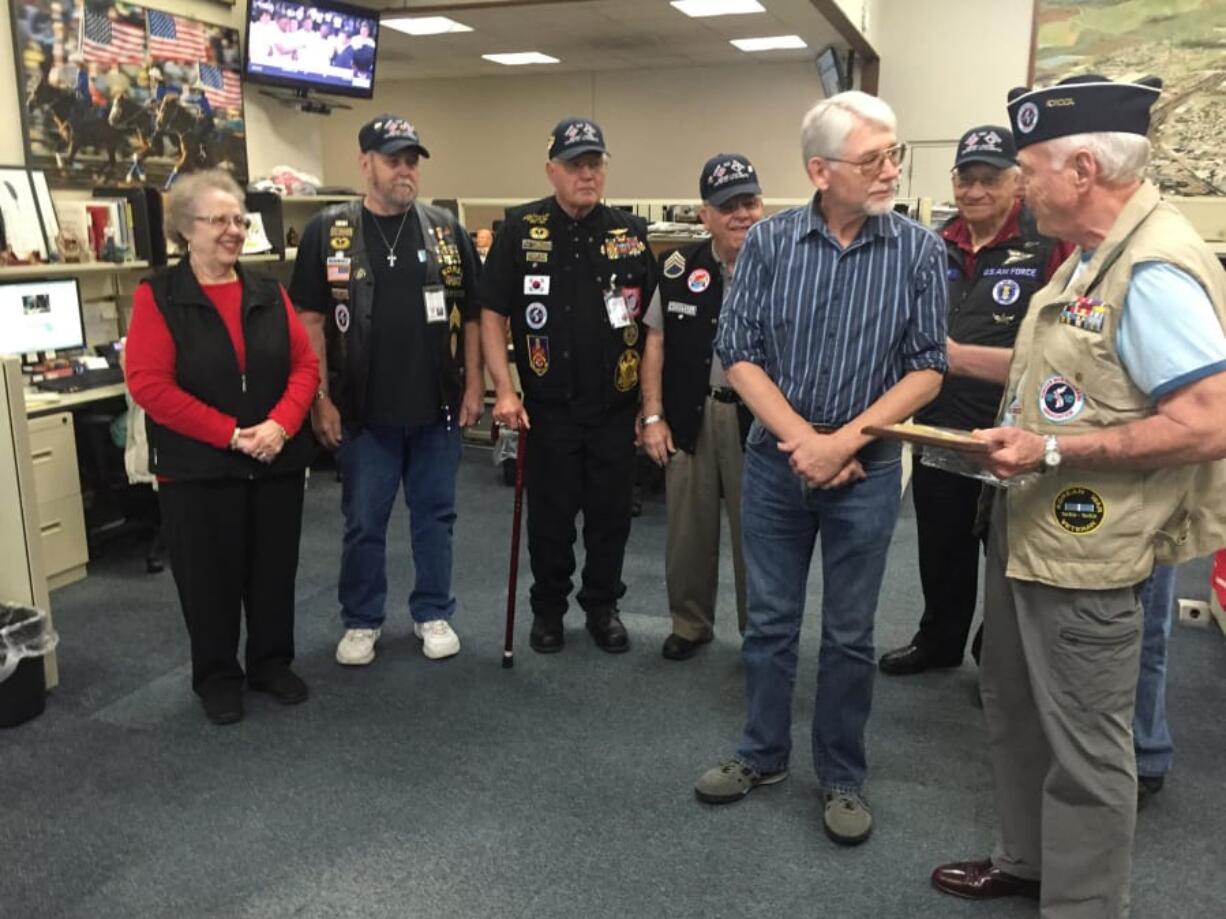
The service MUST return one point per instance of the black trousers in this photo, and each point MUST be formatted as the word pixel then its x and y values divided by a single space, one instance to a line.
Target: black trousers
pixel 575 466
pixel 233 545
pixel 945 508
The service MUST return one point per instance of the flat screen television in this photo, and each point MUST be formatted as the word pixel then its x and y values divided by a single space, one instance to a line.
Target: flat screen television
pixel 830 71
pixel 322 46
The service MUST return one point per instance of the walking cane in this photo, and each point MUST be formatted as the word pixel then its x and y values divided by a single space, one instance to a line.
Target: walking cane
pixel 521 451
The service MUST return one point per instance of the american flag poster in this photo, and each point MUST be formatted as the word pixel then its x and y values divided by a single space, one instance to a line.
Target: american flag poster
pixel 120 93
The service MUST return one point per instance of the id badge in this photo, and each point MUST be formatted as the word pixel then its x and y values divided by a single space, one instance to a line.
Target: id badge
pixel 436 304
pixel 619 313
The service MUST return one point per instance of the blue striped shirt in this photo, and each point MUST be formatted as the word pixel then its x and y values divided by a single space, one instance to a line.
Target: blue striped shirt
pixel 835 328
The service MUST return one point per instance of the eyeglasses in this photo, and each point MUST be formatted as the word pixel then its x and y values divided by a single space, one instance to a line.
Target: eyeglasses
pixel 221 221
pixel 872 164
pixel 988 180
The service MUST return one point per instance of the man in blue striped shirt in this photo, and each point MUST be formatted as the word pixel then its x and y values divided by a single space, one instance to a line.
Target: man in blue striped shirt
pixel 836 320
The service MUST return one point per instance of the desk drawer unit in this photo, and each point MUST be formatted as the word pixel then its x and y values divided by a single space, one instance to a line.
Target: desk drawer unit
pixel 57 485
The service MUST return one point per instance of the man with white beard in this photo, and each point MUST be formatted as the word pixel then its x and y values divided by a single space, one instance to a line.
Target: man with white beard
pixel 836 321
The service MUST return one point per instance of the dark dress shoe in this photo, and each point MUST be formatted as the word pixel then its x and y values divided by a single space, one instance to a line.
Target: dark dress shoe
pixel 1147 787
pixel 982 881
pixel 222 701
pixel 154 564
pixel 677 648
pixel 282 684
pixel 609 633
pixel 546 635
pixel 911 659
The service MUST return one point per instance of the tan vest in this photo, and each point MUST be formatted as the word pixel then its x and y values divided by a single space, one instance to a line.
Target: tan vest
pixel 1099 529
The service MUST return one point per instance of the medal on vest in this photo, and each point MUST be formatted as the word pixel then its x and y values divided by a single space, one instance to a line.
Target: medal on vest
pixel 627 371
pixel 436 304
pixel 1084 313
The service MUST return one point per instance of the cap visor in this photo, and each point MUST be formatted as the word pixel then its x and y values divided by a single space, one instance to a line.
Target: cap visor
pixel 397 146
pixel 579 151
pixel 1000 162
pixel 724 195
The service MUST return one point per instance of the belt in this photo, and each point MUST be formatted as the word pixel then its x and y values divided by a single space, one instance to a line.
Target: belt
pixel 724 394
pixel 877 451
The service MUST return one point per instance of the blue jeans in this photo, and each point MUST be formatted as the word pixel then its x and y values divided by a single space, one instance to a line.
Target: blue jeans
pixel 781 520
pixel 1151 738
pixel 373 463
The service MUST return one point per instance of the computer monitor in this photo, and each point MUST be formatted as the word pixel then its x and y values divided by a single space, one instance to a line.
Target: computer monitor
pixel 40 316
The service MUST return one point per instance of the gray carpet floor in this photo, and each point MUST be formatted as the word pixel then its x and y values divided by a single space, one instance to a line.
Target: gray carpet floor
pixel 561 788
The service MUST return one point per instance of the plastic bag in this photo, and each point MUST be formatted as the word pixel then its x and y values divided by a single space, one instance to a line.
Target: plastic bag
pixel 953 461
pixel 24 632
pixel 507 445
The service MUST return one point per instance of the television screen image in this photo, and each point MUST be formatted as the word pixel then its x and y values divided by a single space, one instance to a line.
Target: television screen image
pixel 830 71
pixel 40 316
pixel 328 47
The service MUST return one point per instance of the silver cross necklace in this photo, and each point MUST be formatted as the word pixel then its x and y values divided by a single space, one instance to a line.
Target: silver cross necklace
pixel 391 247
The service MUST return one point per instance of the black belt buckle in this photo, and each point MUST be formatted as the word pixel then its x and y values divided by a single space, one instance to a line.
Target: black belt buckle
pixel 724 394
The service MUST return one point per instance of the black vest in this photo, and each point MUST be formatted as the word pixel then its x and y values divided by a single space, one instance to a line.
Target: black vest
pixel 987 309
pixel 207 367
pixel 691 294
pixel 542 324
pixel 347 329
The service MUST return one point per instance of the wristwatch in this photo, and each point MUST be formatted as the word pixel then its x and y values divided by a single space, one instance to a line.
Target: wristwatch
pixel 650 419
pixel 1051 452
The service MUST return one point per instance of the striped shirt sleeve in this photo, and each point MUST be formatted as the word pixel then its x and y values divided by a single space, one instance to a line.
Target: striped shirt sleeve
pixel 740 336
pixel 923 345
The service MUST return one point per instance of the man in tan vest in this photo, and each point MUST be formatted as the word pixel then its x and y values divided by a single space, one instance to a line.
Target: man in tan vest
pixel 1115 393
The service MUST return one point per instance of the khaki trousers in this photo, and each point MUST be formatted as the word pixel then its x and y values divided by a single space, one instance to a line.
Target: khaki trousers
pixel 694 484
pixel 1058 679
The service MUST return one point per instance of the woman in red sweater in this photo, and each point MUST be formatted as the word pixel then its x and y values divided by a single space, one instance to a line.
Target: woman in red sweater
pixel 222 367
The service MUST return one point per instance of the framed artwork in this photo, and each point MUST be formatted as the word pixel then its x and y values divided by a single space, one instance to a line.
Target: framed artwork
pixel 115 91
pixel 46 208
pixel 1177 40
pixel 22 229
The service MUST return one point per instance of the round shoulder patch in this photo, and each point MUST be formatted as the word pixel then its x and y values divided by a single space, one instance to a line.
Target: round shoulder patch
pixel 1060 400
pixel 1079 510
pixel 536 315
pixel 1006 292
pixel 699 280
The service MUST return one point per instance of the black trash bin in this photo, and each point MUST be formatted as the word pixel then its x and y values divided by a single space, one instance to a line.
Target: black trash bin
pixel 25 638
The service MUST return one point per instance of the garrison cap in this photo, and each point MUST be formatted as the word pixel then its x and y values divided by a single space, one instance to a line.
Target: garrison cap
pixel 1086 104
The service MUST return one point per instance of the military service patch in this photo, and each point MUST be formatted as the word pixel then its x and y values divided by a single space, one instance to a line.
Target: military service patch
pixel 1079 510
pixel 674 266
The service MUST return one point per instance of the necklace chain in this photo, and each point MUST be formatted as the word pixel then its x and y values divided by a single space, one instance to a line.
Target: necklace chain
pixel 391 247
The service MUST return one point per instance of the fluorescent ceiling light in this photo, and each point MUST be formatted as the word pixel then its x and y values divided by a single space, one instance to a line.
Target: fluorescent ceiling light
pixel 425 25
pixel 770 43
pixel 519 58
pixel 697 8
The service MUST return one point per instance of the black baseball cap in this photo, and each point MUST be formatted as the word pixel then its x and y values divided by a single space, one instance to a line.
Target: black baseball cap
pixel 390 134
pixel 989 143
pixel 575 136
pixel 1085 104
pixel 726 176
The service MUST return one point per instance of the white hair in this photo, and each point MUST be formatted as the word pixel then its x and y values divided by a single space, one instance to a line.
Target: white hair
pixel 826 126
pixel 1121 157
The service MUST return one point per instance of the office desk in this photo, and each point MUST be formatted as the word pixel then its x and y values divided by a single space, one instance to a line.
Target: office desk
pixel 41 403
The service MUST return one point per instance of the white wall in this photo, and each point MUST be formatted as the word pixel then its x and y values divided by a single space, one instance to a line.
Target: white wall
pixel 271 137
pixel 947 65
pixel 488 137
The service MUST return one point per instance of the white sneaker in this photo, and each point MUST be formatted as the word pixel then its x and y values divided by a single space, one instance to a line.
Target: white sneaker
pixel 357 647
pixel 438 638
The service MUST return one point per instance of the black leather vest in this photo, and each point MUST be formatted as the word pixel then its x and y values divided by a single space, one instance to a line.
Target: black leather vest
pixel 352 289
pixel 542 318
pixel 207 367
pixel 691 294
pixel 987 309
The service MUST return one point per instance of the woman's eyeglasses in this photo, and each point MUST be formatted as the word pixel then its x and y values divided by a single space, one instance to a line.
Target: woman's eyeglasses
pixel 221 221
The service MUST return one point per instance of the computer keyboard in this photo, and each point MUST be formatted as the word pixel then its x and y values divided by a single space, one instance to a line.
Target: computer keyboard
pixel 89 379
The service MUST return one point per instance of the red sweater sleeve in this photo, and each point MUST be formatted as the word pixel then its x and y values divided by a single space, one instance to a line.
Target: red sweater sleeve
pixel 303 383
pixel 149 358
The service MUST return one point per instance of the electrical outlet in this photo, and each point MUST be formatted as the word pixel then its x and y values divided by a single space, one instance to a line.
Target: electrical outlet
pixel 1194 612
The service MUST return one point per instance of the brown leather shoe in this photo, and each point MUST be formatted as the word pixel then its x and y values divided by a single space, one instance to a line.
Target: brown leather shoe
pixel 982 881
